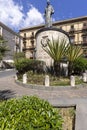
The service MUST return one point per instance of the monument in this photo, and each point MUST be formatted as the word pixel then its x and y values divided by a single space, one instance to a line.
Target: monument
pixel 48 33
pixel 48 13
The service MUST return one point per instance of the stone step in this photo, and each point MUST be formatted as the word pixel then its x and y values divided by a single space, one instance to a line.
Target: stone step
pixel 81 117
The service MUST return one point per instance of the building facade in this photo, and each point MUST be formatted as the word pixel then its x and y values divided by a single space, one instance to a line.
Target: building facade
pixel 13 41
pixel 76 29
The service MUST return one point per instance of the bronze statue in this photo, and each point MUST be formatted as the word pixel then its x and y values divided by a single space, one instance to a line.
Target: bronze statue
pixel 48 13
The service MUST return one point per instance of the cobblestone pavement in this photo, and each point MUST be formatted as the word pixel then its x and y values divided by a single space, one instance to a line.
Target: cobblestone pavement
pixel 8 84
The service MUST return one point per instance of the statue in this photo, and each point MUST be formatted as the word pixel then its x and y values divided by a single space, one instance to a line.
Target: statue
pixel 48 13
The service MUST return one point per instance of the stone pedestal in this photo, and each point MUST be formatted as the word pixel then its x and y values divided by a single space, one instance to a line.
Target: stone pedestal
pixel 16 78
pixel 44 35
pixel 72 81
pixel 47 81
pixel 24 78
pixel 84 77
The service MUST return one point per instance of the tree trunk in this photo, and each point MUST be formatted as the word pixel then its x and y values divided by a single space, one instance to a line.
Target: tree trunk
pixel 70 68
pixel 57 68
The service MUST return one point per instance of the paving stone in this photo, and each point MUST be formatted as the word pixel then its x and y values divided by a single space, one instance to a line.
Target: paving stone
pixel 81 117
pixel 57 97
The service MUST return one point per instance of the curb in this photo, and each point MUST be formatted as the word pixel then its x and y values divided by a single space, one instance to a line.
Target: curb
pixel 6 70
pixel 42 87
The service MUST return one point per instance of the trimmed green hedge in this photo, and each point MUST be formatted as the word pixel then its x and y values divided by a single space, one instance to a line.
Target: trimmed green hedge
pixel 25 65
pixel 29 113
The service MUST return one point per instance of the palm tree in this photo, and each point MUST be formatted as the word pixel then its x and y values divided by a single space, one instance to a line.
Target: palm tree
pixel 73 53
pixel 56 49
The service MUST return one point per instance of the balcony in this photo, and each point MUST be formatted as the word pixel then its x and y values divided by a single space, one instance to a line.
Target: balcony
pixel 84 43
pixel 32 37
pixel 84 29
pixel 72 30
pixel 29 48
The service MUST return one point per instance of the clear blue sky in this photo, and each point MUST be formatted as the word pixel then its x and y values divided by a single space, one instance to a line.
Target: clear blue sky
pixel 18 14
pixel 64 9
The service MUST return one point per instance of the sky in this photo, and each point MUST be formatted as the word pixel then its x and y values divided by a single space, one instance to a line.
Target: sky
pixel 18 14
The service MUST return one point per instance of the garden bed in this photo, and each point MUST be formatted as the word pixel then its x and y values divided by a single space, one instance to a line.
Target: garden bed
pixel 38 79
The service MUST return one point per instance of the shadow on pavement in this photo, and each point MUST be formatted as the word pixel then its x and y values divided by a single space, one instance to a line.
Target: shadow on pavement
pixel 6 94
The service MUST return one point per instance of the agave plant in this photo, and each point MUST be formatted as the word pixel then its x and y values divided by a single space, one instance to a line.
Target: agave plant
pixel 73 53
pixel 56 49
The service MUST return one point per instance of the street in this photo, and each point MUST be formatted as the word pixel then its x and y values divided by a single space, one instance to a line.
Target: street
pixel 6 73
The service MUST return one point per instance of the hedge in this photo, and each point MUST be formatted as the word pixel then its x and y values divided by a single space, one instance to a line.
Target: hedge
pixel 24 65
pixel 29 113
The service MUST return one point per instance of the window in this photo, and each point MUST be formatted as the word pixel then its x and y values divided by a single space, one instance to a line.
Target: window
pixel 0 30
pixel 17 40
pixel 31 55
pixel 33 33
pixel 84 24
pixel 72 26
pixel 60 27
pixel 72 39
pixel 72 29
pixel 84 38
pixel 24 34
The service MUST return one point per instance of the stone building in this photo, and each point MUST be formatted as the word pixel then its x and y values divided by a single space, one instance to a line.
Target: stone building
pixel 13 41
pixel 76 28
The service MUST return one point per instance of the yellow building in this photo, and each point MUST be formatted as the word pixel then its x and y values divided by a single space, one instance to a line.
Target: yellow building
pixel 76 28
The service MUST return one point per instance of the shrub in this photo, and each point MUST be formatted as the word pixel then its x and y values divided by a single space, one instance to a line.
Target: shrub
pixel 18 56
pixel 3 47
pixel 80 65
pixel 29 113
pixel 25 65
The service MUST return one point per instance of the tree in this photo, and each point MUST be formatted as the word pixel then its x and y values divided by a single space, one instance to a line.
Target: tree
pixel 18 56
pixel 3 47
pixel 80 65
pixel 73 53
pixel 56 49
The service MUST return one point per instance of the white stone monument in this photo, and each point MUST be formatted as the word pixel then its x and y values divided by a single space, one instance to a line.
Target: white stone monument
pixel 47 81
pixel 72 81
pixel 84 77
pixel 24 78
pixel 16 78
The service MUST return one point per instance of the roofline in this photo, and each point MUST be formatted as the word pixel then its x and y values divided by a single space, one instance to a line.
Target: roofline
pixel 9 29
pixel 57 22
pixel 71 20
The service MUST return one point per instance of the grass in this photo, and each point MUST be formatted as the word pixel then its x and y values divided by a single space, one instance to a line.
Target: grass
pixel 54 81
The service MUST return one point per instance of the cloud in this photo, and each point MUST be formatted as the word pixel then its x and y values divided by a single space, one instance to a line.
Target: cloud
pixel 33 17
pixel 12 14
